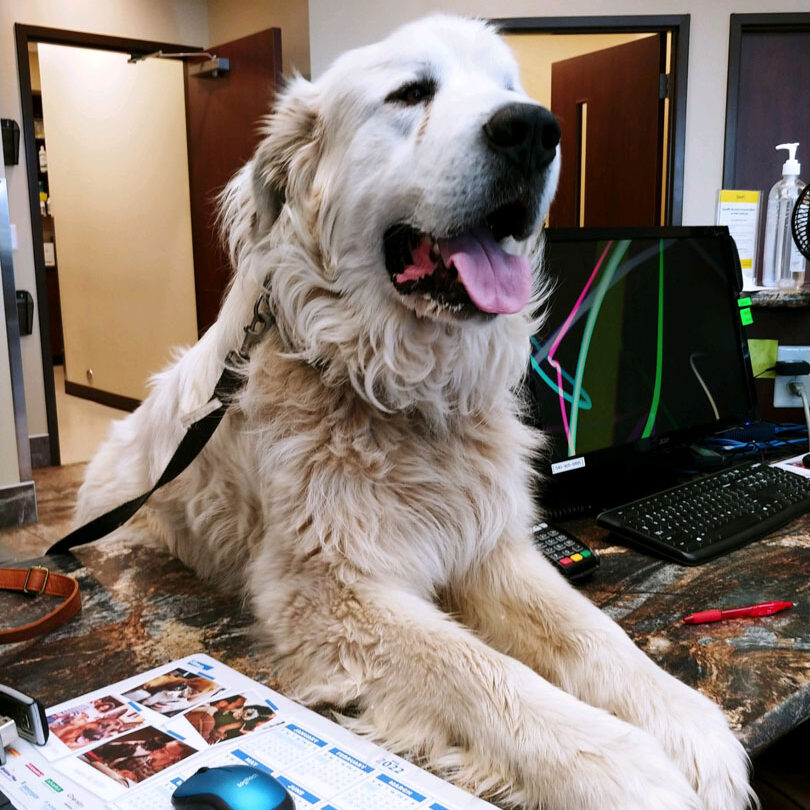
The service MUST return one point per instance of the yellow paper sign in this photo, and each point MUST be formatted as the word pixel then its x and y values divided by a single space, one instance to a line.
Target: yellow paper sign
pixel 739 210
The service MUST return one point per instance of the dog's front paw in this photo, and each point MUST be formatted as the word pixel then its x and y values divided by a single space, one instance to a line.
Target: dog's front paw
pixel 721 766
pixel 634 773
pixel 710 756
pixel 614 766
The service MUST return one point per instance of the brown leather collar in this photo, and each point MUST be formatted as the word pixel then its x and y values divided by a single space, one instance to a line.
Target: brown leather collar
pixel 36 581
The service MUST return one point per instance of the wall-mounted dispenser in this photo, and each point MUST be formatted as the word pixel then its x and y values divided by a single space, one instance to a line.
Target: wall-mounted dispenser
pixel 25 312
pixel 11 141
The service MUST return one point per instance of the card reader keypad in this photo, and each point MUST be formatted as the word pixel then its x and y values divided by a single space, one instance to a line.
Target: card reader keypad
pixel 569 554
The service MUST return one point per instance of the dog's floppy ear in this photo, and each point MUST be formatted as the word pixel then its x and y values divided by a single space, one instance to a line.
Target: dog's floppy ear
pixel 285 160
pixel 281 168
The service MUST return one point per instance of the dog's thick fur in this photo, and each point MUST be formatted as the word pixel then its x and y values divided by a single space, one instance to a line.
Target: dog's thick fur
pixel 372 484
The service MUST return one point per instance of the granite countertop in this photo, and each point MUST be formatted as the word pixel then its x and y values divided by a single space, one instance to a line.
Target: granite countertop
pixel 143 608
pixel 774 298
pixel 758 669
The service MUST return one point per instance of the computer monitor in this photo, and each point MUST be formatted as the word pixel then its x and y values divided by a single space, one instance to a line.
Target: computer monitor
pixel 643 347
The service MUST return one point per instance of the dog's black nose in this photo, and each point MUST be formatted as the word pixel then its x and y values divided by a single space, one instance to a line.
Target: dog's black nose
pixel 525 134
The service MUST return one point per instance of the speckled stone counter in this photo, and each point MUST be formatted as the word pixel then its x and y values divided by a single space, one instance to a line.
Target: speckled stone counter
pixel 776 298
pixel 758 669
pixel 143 608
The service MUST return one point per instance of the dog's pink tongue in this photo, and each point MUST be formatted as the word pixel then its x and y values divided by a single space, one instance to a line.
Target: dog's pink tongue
pixel 495 280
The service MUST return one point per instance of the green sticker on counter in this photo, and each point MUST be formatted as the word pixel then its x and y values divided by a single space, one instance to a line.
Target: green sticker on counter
pixel 746 317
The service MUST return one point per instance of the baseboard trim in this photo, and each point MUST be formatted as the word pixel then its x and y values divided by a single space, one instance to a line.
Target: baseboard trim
pixel 40 450
pixel 18 504
pixel 102 397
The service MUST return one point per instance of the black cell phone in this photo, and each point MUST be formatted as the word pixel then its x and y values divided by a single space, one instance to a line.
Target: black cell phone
pixel 27 713
pixel 571 557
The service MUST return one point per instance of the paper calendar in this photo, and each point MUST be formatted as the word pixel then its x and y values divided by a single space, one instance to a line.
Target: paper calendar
pixel 128 746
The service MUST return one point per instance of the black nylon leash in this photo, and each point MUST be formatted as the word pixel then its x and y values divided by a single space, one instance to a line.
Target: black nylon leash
pixel 192 443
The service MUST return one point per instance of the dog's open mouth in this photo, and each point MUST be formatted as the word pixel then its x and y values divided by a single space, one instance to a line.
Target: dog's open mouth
pixel 464 274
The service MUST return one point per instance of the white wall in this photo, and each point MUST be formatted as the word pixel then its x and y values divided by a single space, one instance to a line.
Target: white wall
pixel 181 21
pixel 336 27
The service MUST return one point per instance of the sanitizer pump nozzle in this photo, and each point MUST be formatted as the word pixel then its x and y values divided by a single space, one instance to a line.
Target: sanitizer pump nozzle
pixel 791 165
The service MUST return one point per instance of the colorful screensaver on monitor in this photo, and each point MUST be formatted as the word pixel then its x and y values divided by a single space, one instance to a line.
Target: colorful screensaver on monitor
pixel 640 342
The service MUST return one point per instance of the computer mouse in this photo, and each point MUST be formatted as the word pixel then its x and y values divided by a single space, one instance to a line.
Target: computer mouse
pixel 232 787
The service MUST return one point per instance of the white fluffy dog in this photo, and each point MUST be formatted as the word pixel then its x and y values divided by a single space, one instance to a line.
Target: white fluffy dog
pixel 371 485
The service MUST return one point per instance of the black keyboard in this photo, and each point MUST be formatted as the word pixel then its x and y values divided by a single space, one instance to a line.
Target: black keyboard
pixel 709 516
pixel 5 802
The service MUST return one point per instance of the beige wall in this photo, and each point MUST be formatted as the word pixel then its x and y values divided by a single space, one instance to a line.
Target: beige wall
pixel 335 27
pixel 118 180
pixel 182 21
pixel 536 53
pixel 228 20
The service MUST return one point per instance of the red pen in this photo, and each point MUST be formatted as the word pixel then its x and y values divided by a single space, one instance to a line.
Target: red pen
pixel 761 609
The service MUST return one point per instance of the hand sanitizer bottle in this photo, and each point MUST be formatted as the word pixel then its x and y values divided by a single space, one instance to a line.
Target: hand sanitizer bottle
pixel 782 264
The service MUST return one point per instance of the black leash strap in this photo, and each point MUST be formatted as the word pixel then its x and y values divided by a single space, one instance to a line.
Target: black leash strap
pixel 195 438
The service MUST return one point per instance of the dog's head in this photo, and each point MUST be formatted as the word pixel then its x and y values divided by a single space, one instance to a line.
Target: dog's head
pixel 415 174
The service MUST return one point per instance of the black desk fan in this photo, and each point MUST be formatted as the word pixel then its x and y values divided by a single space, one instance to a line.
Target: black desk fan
pixel 800 226
pixel 800 222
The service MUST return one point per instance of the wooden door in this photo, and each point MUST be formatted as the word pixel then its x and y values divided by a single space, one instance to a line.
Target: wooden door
pixel 612 117
pixel 771 92
pixel 223 116
pixel 118 180
pixel 769 104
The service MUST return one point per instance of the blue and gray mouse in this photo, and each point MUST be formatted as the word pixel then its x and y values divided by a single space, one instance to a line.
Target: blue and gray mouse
pixel 232 787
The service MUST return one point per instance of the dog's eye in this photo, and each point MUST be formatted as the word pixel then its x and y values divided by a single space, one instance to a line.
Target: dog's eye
pixel 413 93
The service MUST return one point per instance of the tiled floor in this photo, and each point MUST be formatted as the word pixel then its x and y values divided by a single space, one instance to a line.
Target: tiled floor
pixel 56 489
pixel 83 424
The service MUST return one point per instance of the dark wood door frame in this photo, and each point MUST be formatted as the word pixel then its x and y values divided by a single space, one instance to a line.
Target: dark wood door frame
pixel 740 25
pixel 678 26
pixel 30 34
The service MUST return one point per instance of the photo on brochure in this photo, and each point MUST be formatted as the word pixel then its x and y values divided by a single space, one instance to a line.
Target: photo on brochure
pixel 138 755
pixel 94 721
pixel 172 692
pixel 228 718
